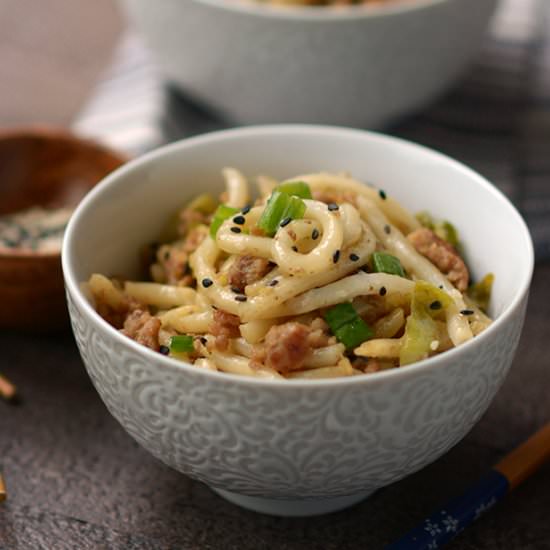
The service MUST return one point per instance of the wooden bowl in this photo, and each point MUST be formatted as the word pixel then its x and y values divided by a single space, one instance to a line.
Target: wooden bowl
pixel 50 168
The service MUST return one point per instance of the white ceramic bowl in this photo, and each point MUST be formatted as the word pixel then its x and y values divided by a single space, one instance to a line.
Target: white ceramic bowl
pixel 295 447
pixel 362 66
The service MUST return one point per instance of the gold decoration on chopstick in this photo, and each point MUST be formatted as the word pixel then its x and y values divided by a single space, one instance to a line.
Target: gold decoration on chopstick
pixel 7 390
pixel 3 493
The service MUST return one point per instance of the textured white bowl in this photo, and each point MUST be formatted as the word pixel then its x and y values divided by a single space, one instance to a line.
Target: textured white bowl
pixel 362 66
pixel 295 447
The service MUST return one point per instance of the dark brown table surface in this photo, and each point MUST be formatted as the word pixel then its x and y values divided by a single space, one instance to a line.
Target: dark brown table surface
pixel 76 480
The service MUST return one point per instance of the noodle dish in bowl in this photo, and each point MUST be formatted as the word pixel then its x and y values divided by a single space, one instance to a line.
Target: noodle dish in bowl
pixel 296 315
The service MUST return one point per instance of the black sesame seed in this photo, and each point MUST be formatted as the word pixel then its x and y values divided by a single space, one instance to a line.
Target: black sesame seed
pixel 441 287
pixel 246 209
pixel 165 350
pixel 167 255
pixel 436 304
pixel 236 289
pixel 354 257
pixel 382 194
pixel 203 340
pixel 240 298
pixel 236 229
pixel 274 282
pixel 239 220
pixel 336 256
pixel 295 248
pixel 382 291
pixel 286 221
pixel 467 312
pixel 315 234
pixel 207 282
pixel 332 206
pixel 387 229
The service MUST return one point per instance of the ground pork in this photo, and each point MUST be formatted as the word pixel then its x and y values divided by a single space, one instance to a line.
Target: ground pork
pixel 224 326
pixel 142 327
pixel 286 347
pixel 442 254
pixel 174 261
pixel 115 316
pixel 247 270
pixel 190 218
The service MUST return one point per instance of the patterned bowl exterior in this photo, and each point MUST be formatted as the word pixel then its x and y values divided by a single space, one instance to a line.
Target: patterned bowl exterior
pixel 295 441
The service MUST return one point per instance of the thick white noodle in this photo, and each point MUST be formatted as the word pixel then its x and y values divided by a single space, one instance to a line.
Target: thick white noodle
pixel 236 364
pixel 265 304
pixel 381 348
pixel 320 357
pixel 254 331
pixel 187 319
pixel 159 295
pixel 101 286
pixel 345 184
pixel 344 290
pixel 339 228
pixel 319 258
pixel 237 188
pixel 396 243
pixel 351 220
pixel 343 368
pixel 242 243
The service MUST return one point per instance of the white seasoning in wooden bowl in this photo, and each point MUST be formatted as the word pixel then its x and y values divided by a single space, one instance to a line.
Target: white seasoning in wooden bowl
pixel 36 228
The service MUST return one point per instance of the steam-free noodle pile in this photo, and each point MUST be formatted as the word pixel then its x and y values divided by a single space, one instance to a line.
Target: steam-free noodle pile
pixel 321 276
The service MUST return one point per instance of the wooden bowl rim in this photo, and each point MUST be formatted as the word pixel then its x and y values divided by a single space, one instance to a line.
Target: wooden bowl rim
pixel 53 134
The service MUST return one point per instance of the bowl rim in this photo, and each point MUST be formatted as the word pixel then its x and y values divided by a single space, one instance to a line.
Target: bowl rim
pixel 321 13
pixel 73 286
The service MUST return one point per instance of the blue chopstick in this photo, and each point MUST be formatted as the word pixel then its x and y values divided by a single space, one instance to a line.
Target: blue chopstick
pixel 446 523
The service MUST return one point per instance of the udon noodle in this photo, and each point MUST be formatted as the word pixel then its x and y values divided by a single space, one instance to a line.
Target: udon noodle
pixel 320 276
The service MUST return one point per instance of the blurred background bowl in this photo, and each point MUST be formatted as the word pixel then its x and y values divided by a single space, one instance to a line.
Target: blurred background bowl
pixel 49 168
pixel 361 66
pixel 295 447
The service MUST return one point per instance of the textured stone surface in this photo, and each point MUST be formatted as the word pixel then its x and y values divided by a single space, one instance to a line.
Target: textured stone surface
pixel 77 481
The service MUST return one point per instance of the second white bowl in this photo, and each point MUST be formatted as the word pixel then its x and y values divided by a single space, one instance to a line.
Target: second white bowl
pixel 361 66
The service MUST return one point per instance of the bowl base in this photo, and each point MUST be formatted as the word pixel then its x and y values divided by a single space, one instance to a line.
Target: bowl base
pixel 293 507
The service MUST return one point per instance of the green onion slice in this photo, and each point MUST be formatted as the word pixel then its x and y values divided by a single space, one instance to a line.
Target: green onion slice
pixel 297 188
pixel 347 326
pixel 181 344
pixel 279 207
pixel 386 263
pixel 220 215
